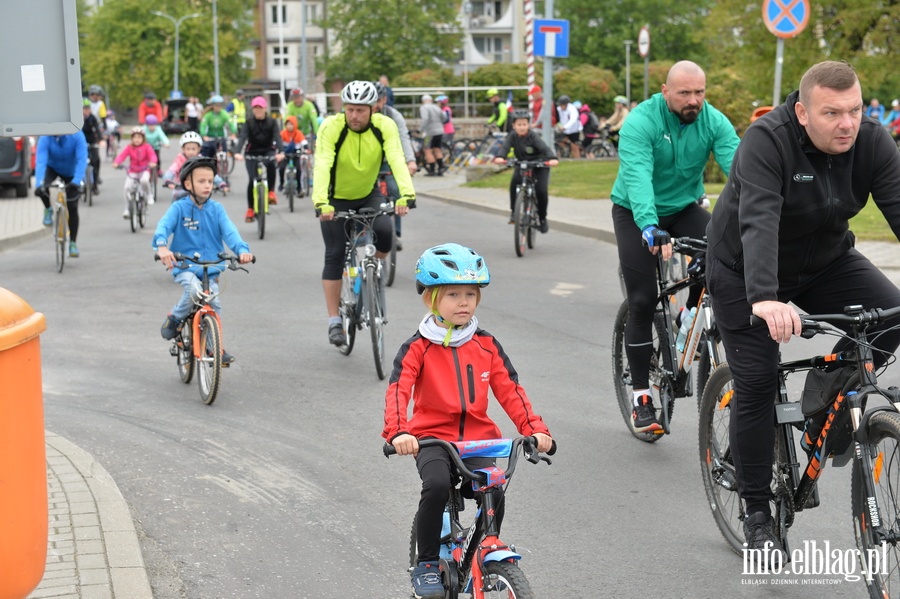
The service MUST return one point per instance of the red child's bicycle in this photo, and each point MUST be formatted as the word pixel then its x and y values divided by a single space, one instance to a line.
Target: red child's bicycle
pixel 474 561
pixel 198 344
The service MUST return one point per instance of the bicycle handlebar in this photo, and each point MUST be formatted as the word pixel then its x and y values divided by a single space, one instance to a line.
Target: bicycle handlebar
pixel 513 162
pixel 365 213
pixel 530 453
pixel 222 257
pixel 691 244
pixel 856 316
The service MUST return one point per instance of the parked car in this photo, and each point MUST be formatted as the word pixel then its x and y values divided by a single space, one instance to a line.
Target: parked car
pixel 15 164
pixel 175 121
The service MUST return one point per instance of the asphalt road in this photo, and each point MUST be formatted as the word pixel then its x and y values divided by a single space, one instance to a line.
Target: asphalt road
pixel 280 490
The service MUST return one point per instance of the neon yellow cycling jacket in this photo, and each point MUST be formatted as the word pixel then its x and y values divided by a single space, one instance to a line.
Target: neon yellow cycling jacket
pixel 347 162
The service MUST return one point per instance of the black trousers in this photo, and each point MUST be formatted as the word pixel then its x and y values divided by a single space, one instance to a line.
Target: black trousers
pixel 437 474
pixel 753 356
pixel 335 233
pixel 641 284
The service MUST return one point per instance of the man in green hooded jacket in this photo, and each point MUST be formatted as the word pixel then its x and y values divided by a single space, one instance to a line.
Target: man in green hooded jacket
pixel 664 146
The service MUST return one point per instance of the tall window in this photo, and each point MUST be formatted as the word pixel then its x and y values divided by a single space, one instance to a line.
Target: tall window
pixel 275 19
pixel 312 12
pixel 280 56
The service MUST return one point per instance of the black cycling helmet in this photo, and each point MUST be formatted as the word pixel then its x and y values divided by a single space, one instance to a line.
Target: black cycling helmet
pixel 150 96
pixel 520 113
pixel 564 99
pixel 195 163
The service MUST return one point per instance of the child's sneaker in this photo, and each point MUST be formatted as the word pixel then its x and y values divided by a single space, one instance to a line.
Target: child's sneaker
pixel 643 417
pixel 227 358
pixel 48 217
pixel 272 198
pixel 426 581
pixel 169 329
pixel 249 216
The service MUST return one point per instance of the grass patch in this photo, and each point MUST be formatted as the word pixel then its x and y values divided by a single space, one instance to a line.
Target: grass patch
pixel 593 179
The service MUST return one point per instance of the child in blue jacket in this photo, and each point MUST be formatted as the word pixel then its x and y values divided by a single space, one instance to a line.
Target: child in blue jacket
pixel 196 224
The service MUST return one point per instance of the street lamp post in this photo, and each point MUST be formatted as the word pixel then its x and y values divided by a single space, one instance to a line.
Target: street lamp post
pixel 177 23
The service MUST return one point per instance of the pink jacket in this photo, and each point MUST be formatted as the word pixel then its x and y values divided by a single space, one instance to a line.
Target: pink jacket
pixel 141 157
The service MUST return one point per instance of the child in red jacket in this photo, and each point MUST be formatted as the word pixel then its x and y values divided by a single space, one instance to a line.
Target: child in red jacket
pixel 446 368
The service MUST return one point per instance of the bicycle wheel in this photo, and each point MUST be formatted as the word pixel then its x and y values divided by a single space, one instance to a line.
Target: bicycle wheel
pixel 290 187
pixel 183 353
pixel 61 232
pixel 520 225
pixel 349 312
pixel 531 218
pixel 210 362
pixel 89 185
pixel 390 262
pixel 132 213
pixel 504 580
pixel 622 370
pixel 717 463
pixel 375 316
pixel 303 187
pixel 883 433
pixel 142 211
pixel 262 206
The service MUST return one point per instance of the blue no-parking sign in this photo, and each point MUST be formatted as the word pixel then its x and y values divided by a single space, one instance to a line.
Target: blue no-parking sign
pixel 551 38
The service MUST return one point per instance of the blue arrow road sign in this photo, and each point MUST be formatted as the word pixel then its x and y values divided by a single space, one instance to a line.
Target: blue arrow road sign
pixel 551 38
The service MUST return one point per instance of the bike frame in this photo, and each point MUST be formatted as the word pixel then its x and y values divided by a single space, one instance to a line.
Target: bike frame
pixel 470 551
pixel 850 401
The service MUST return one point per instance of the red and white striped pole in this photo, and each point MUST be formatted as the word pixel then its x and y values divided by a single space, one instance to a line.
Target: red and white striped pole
pixel 529 49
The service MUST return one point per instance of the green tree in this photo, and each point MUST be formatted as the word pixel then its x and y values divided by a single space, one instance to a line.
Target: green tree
pixel 862 32
pixel 591 85
pixel 376 37
pixel 599 29
pixel 129 51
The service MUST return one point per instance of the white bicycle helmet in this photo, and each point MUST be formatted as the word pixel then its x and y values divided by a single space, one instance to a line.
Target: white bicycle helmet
pixel 191 137
pixel 359 92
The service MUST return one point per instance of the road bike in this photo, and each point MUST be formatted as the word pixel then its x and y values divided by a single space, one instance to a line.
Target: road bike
pixel 261 191
pixel 850 431
pixel 296 176
pixel 526 222
pixel 670 369
pixel 390 262
pixel 198 344
pixel 474 560
pixel 61 224
pixel 137 204
pixel 362 284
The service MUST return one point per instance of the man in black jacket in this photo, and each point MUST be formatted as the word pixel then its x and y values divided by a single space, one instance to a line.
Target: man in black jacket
pixel 779 233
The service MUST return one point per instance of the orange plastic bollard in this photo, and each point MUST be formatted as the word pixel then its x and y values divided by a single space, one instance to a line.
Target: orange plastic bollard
pixel 760 111
pixel 23 466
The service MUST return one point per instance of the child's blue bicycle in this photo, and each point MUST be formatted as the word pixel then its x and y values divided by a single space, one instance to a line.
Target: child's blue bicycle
pixel 474 561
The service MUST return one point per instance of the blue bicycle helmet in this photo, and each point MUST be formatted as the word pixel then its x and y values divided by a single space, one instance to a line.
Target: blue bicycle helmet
pixel 451 264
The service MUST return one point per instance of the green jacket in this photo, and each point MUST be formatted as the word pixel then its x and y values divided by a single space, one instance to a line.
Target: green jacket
pixel 347 163
pixel 307 117
pixel 661 161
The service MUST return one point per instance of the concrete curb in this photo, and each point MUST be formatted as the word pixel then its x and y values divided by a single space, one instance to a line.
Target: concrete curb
pixel 100 525
pixel 9 243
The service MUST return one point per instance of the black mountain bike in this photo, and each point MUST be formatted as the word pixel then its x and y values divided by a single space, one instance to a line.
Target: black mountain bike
pixel 526 222
pixel 851 430
pixel 670 369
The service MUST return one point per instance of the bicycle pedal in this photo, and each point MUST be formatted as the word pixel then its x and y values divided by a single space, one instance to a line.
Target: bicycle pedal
pixel 173 350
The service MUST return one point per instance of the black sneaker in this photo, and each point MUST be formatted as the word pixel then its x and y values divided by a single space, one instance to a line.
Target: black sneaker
pixel 759 532
pixel 169 329
pixel 426 580
pixel 643 417
pixel 227 359
pixel 336 335
pixel 512 218
pixel 545 226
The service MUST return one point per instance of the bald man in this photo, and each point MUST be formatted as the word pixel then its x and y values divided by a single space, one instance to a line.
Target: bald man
pixel 663 149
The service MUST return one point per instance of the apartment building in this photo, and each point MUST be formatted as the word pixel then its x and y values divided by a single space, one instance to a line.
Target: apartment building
pixel 282 46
